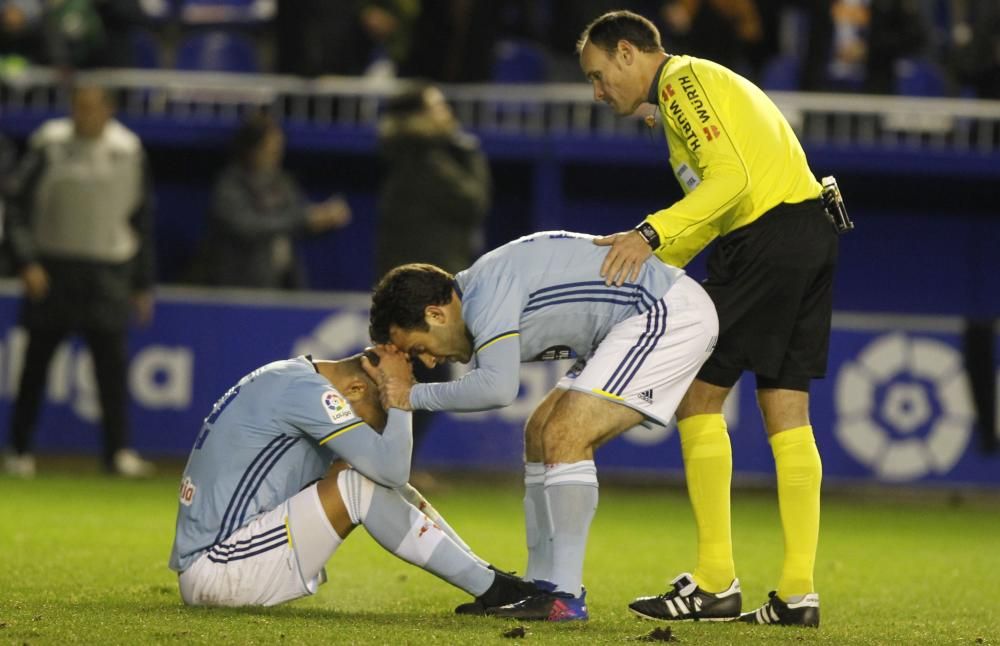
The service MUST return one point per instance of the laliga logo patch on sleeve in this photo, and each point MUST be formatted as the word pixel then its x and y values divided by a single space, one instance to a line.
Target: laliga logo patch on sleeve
pixel 337 407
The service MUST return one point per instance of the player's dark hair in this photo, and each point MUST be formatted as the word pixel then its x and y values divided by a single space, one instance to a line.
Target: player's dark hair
pixel 403 294
pixel 250 134
pixel 606 30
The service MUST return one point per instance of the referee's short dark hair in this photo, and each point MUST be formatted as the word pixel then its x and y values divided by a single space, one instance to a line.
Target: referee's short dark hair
pixel 606 30
pixel 402 296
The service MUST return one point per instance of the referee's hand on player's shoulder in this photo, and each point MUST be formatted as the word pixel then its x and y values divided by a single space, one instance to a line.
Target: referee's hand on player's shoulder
pixel 625 257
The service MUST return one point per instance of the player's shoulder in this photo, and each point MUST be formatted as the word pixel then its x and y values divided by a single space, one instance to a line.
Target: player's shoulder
pixel 336 407
pixel 311 393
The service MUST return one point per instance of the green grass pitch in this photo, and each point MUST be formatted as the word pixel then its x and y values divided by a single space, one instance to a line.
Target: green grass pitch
pixel 83 560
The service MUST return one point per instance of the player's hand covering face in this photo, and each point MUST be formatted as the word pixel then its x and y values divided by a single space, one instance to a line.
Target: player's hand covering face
pixel 393 376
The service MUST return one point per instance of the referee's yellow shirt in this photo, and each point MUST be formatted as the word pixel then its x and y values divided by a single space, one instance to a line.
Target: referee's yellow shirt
pixel 731 149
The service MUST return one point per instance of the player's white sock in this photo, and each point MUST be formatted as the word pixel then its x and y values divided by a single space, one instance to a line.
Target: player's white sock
pixel 415 498
pixel 571 490
pixel 402 529
pixel 537 525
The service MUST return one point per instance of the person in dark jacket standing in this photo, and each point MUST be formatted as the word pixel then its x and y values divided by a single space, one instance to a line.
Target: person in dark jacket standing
pixel 258 211
pixel 80 236
pixel 436 192
pixel 434 198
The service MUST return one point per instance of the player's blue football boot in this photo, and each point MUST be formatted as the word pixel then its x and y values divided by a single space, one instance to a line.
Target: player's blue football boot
pixel 544 586
pixel 547 606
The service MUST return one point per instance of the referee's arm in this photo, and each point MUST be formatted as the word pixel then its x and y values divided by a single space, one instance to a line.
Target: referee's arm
pixel 685 227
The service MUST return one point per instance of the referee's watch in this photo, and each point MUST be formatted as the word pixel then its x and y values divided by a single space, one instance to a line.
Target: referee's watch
pixel 649 234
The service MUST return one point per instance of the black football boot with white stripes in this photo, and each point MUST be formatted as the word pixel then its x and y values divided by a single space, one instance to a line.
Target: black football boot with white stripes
pixel 803 612
pixel 688 602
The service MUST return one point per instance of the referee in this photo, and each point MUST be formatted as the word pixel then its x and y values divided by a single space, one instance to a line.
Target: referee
pixel 746 181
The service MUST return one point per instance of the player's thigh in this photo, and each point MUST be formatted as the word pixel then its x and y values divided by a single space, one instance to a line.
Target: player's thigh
pixel 580 421
pixel 648 362
pixel 533 428
pixel 259 564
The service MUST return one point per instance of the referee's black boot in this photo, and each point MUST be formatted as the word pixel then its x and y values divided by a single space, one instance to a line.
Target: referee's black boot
pixel 688 602
pixel 801 612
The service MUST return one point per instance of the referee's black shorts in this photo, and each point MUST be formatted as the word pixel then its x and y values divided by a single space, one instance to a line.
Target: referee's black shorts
pixel 772 284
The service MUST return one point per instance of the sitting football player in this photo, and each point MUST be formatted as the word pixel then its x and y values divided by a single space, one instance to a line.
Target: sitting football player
pixel 288 462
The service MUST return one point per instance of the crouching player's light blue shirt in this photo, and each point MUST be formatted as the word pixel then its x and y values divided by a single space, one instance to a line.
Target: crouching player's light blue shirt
pixel 272 434
pixel 537 298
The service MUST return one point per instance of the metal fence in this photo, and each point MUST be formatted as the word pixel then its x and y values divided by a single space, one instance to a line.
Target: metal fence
pixel 962 126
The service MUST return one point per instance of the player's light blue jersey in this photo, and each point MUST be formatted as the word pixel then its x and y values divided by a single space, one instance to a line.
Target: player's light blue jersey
pixel 273 433
pixel 537 298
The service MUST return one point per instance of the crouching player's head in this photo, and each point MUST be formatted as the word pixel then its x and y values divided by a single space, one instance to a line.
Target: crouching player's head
pixel 351 380
pixel 415 308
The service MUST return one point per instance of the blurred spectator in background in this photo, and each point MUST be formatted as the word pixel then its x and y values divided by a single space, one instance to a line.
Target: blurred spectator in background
pixel 436 193
pixel 8 159
pixel 974 45
pixel 257 212
pixel 434 200
pixel 120 18
pixel 851 20
pixel 898 30
pixel 721 30
pixel 75 34
pixel 318 37
pixel 795 44
pixel 80 234
pixel 20 32
pixel 453 41
pixel 69 34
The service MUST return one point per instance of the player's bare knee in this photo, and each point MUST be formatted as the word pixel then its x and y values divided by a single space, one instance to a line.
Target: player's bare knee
pixel 564 442
pixel 534 429
pixel 533 434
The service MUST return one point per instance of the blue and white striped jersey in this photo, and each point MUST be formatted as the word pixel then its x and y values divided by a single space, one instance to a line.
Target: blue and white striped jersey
pixel 537 298
pixel 273 433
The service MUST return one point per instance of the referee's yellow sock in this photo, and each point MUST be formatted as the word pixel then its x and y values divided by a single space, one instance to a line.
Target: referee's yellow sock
pixel 708 467
pixel 799 472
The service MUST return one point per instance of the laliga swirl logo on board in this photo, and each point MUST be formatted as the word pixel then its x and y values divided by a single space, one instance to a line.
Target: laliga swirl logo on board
pixel 904 407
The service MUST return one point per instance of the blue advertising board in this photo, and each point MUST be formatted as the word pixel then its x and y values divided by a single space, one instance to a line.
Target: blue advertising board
pixel 896 405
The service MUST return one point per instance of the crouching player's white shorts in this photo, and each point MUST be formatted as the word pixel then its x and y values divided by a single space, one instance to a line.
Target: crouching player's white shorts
pixel 648 361
pixel 277 557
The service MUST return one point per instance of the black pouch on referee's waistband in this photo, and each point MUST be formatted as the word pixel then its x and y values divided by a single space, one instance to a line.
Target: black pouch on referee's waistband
pixel 833 203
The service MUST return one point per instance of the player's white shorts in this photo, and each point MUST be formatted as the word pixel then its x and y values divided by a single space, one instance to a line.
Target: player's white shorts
pixel 275 558
pixel 648 361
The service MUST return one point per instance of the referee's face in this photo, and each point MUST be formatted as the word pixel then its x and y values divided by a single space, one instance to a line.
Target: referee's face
pixel 613 76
